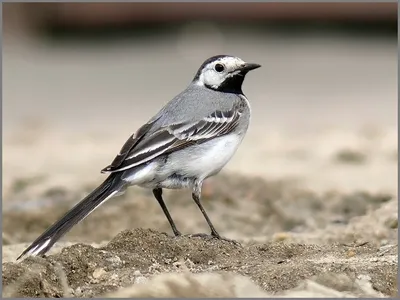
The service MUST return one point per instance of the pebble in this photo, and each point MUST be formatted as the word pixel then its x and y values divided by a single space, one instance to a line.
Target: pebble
pixel 115 261
pixel 78 292
pixel 140 280
pixel 98 273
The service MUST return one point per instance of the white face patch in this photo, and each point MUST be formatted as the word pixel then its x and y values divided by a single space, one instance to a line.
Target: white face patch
pixel 211 77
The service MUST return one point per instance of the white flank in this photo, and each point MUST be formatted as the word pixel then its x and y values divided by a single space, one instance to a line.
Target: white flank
pixel 207 159
pixel 142 174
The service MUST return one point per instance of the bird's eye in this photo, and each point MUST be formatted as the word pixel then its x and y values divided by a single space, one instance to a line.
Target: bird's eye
pixel 219 68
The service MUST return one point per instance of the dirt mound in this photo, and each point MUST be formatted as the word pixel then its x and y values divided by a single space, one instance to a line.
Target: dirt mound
pixel 136 255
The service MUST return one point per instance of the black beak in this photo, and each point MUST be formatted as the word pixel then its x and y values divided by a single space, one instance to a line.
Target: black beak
pixel 249 66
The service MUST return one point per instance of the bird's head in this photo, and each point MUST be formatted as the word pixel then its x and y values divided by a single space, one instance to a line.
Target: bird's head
pixel 223 73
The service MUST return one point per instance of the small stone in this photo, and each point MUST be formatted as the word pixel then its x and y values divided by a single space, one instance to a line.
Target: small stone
pixel 281 236
pixel 384 242
pixel 392 223
pixel 374 259
pixel 189 263
pixel 140 280
pixel 78 292
pixel 364 277
pixel 98 273
pixel 350 253
pixel 115 261
pixel 177 264
pixel 137 273
pixel 114 277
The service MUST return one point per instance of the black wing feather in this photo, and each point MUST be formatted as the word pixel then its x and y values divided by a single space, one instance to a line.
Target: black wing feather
pixel 127 147
pixel 138 150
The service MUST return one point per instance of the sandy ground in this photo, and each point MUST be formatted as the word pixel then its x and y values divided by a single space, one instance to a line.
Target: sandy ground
pixel 339 243
pixel 311 195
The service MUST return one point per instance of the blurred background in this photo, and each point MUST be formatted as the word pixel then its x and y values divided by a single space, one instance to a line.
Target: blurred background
pixel 79 78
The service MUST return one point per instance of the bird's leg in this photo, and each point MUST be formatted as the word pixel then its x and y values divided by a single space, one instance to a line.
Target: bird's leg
pixel 196 197
pixel 158 195
pixel 214 234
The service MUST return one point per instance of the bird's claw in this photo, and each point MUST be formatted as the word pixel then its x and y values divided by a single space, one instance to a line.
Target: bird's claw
pixel 212 236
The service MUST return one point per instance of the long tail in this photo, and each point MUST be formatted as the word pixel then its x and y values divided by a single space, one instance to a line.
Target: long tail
pixel 109 188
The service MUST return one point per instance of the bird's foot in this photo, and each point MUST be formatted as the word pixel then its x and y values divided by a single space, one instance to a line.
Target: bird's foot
pixel 200 235
pixel 217 236
pixel 177 234
pixel 212 236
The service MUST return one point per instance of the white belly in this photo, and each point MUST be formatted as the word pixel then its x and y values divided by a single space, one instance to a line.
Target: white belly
pixel 182 168
pixel 205 159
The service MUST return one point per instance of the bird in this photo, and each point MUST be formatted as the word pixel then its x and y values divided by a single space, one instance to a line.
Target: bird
pixel 190 139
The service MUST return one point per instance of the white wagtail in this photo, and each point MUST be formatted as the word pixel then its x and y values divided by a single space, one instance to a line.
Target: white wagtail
pixel 190 139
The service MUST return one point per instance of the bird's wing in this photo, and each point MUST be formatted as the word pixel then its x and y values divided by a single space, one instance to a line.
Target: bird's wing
pixel 142 148
pixel 131 142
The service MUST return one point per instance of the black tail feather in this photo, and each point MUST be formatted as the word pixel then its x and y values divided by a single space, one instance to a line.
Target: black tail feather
pixel 46 240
